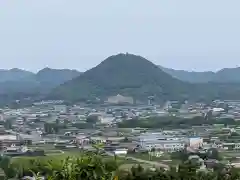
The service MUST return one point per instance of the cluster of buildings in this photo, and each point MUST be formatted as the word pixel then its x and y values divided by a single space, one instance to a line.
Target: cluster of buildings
pixel 28 126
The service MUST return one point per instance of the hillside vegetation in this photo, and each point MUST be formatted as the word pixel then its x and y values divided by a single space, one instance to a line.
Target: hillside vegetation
pixel 17 84
pixel 21 81
pixel 124 74
pixel 135 76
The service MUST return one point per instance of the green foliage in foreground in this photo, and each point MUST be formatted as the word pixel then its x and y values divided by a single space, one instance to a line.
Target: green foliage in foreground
pixel 92 166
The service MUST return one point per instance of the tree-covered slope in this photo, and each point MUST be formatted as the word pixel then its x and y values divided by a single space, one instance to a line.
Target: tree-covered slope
pixel 18 84
pixel 15 75
pixel 21 81
pixel 125 74
pixel 54 77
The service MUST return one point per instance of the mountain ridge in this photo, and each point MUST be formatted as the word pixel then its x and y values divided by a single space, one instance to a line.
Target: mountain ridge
pixel 125 74
pixel 225 75
pixel 17 80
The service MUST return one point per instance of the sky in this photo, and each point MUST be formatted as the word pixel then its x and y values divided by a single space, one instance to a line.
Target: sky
pixel 194 35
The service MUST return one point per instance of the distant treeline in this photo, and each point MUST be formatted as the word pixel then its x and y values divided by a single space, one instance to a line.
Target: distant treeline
pixel 174 122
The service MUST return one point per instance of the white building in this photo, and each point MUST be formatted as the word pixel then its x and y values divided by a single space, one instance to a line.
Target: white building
pixel 161 142
pixel 119 99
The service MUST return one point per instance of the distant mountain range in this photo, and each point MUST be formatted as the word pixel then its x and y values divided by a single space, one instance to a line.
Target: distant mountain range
pixel 226 75
pixel 21 81
pixel 124 74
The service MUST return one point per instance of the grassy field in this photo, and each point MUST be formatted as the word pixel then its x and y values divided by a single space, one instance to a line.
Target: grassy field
pixel 26 161
pixel 56 155
pixel 51 153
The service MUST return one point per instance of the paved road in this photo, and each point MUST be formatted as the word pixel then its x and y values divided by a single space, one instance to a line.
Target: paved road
pixel 141 160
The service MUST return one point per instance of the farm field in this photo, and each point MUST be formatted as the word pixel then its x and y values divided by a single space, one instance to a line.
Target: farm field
pixel 57 155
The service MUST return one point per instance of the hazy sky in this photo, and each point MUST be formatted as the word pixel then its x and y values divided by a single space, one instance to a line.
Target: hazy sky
pixel 79 34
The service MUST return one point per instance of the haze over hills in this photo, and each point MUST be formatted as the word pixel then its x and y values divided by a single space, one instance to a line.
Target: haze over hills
pixel 55 77
pixel 14 74
pixel 225 75
pixel 125 74
pixel 21 81
pixel 190 76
